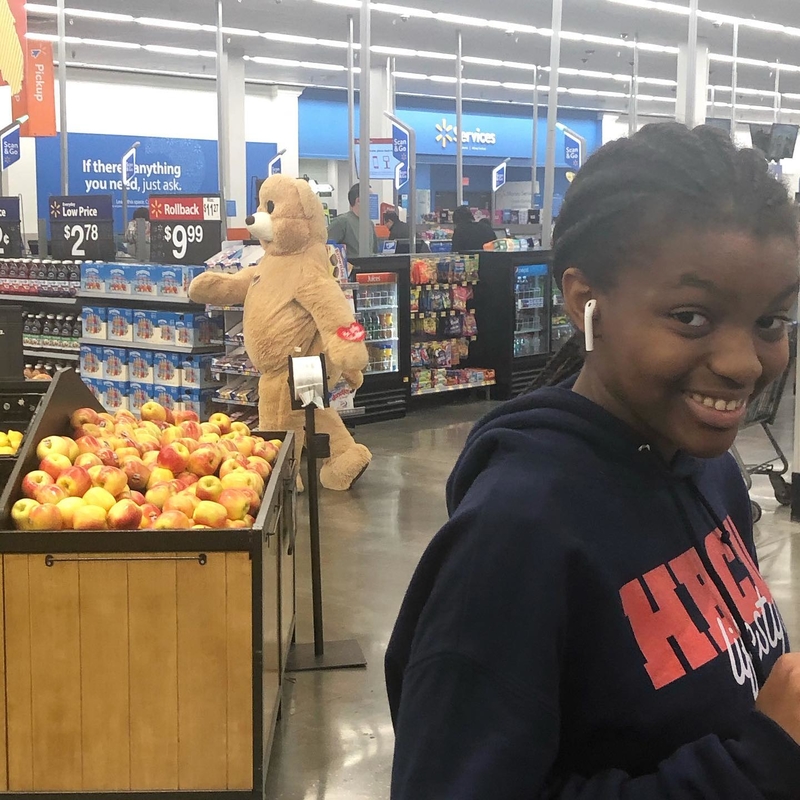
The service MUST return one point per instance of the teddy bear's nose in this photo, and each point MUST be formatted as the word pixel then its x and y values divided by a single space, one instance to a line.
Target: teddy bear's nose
pixel 250 220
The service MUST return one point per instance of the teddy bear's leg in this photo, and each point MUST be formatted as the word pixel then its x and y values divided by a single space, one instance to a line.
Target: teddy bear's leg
pixel 275 413
pixel 348 459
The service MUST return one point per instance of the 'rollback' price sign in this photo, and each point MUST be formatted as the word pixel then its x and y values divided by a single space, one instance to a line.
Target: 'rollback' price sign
pixel 10 228
pixel 185 229
pixel 82 227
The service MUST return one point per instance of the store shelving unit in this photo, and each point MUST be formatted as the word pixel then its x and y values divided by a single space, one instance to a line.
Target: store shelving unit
pixel 199 350
pixel 516 295
pixel 56 355
pixel 37 299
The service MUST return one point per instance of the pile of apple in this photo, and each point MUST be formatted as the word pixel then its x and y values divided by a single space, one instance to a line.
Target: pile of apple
pixel 165 472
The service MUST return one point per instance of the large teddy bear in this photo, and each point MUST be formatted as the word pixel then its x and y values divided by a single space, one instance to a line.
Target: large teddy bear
pixel 294 307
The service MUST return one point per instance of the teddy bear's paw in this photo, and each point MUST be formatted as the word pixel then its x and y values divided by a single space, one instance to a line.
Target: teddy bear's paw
pixel 340 473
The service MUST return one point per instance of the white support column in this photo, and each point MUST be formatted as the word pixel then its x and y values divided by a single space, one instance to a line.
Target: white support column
pixel 380 100
pixel 282 127
pixel 691 106
pixel 236 147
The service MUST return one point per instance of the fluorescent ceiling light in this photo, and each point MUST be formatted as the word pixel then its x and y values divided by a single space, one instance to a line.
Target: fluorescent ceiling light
pixel 479 82
pixel 86 13
pixel 169 50
pixel 233 31
pixel 726 19
pixel 172 24
pixel 51 37
pixel 107 43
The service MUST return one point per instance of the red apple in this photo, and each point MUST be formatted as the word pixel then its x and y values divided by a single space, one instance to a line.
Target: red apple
pixel 186 415
pixel 51 445
pixel 89 518
pixel 150 457
pixel 174 457
pixel 152 411
pixel 159 475
pixel 108 456
pixel 97 496
pixel 222 421
pixel 210 427
pixel 209 487
pixel 238 478
pixel 158 495
pixel 83 415
pixel 124 516
pixel 237 461
pixel 126 452
pixel 236 503
pixel 259 465
pixel 183 501
pixel 87 460
pixel 204 461
pixel 46 517
pixel 34 480
pixel 190 444
pixel 137 473
pixel 21 513
pixel 50 493
pixel 150 513
pixel 188 478
pixel 88 444
pixel 249 520
pixel 68 506
pixel 112 479
pixel 266 450
pixel 55 464
pixel 86 430
pixel 137 497
pixel 75 481
pixel 210 513
pixel 191 429
pixel 255 500
pixel 172 520
pixel 227 444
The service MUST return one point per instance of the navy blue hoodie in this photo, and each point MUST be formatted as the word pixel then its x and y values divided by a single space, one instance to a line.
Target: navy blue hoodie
pixel 590 623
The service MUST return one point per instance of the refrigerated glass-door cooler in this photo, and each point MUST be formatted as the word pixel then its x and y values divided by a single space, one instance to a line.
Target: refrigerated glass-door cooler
pixel 380 293
pixel 515 312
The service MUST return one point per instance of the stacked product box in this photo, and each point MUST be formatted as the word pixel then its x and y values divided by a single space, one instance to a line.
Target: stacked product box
pixel 136 280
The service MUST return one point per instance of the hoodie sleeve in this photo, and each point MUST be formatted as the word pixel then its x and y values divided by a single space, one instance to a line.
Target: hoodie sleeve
pixel 476 708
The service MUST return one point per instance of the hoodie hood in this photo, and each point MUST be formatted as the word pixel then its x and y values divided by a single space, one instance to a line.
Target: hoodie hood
pixel 561 410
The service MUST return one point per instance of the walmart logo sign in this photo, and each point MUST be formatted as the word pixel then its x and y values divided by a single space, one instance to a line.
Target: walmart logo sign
pixel 447 133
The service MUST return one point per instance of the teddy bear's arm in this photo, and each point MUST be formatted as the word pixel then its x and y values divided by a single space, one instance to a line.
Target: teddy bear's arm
pixel 322 297
pixel 221 289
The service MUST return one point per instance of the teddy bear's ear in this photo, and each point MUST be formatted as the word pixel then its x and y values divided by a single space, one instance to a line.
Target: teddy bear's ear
pixel 310 203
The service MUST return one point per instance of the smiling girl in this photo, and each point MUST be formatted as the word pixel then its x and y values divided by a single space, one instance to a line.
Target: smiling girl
pixel 591 622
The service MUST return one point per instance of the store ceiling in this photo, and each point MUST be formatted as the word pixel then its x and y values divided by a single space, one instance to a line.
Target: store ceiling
pixel 325 65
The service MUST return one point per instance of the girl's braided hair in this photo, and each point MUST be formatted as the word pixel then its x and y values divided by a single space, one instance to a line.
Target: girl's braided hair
pixel 663 180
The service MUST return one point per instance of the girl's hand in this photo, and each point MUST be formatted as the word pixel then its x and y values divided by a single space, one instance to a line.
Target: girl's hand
pixel 779 698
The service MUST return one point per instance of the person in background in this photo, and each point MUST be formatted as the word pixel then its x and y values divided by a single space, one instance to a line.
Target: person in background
pixel 397 228
pixel 468 234
pixel 130 234
pixel 344 228
pixel 591 623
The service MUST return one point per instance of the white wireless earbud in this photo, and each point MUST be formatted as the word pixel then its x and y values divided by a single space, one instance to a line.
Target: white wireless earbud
pixel 588 324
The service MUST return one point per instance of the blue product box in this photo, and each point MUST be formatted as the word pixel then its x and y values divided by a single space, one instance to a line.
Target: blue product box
pixel 144 280
pixel 144 326
pixel 115 364
pixel 139 393
pixel 167 369
pixel 93 277
pixel 196 372
pixel 170 282
pixel 165 328
pixel 91 362
pixel 118 279
pixel 193 330
pixel 93 386
pixel 120 325
pixel 201 401
pixel 167 396
pixel 140 366
pixel 114 395
pixel 94 320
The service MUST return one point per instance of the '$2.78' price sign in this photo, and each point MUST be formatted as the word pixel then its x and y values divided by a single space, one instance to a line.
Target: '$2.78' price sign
pixel 78 235
pixel 184 229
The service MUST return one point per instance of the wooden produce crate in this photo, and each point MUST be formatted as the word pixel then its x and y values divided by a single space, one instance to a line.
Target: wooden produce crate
pixel 144 663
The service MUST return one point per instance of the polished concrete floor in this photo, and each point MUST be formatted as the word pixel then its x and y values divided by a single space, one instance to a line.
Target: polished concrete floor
pixel 335 739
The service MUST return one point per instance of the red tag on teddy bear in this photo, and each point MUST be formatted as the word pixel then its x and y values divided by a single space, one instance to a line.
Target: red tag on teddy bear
pixel 354 332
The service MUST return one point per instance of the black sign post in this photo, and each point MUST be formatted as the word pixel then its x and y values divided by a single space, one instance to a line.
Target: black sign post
pixel 82 227
pixel 10 228
pixel 185 229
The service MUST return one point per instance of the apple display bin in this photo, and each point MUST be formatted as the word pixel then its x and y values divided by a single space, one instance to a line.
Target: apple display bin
pixel 142 663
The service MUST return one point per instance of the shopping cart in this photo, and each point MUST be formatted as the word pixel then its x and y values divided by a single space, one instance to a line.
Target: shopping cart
pixel 762 411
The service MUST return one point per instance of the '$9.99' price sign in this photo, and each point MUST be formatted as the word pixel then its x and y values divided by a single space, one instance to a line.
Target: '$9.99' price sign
pixel 184 229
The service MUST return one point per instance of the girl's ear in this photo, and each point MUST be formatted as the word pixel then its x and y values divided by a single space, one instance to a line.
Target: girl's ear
pixel 577 293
